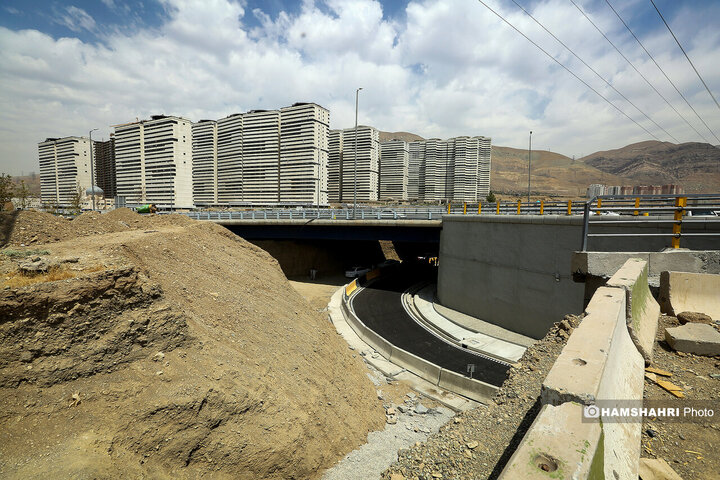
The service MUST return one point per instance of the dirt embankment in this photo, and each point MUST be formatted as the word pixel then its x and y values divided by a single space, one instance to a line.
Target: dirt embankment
pixel 173 349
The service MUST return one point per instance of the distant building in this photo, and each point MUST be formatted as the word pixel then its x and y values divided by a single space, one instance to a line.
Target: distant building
pixel 393 176
pixel 205 162
pixel 105 174
pixel 230 159
pixel 595 190
pixel 360 183
pixel 263 157
pixel 457 169
pixel 670 189
pixel 335 164
pixel 64 169
pixel 153 162
pixel 304 129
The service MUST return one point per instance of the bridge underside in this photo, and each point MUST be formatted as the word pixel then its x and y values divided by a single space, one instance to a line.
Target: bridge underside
pixel 420 232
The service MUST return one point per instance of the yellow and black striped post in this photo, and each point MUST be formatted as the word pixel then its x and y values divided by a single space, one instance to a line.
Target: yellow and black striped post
pixel 497 208
pixel 599 205
pixel 637 204
pixel 449 205
pixel 464 208
pixel 542 207
pixel 479 208
pixel 569 210
pixel 518 209
pixel 680 204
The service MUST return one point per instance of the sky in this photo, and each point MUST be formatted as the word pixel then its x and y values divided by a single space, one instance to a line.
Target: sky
pixel 437 68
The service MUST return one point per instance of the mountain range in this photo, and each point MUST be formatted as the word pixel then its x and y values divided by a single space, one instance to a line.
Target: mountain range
pixel 695 166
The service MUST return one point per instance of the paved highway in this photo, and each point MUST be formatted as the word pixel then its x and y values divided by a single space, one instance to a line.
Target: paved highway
pixel 380 307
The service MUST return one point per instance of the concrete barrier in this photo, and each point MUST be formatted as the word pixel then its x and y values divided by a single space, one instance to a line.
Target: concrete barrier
pixel 642 311
pixel 579 369
pixel 600 364
pixel 382 346
pixel 690 292
pixel 559 445
pixel 475 389
pixel 415 364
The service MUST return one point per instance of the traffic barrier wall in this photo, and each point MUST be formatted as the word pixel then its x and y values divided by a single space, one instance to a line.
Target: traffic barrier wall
pixel 690 292
pixel 599 364
pixel 382 346
pixel 477 390
pixel 415 364
pixel 642 311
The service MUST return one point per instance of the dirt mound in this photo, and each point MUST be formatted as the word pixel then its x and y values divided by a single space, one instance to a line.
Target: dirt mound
pixel 187 354
pixel 36 228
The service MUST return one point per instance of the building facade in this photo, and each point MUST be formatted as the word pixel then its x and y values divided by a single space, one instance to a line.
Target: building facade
pixel 205 162
pixel 304 143
pixel 457 169
pixel 393 176
pixel 64 170
pixel 153 162
pixel 105 174
pixel 352 182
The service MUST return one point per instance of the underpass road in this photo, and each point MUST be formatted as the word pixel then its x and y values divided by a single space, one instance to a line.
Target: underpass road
pixel 380 307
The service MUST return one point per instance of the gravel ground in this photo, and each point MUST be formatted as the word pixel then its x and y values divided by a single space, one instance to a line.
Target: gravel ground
pixel 478 443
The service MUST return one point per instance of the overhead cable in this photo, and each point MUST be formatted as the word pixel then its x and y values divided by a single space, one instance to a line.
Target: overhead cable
pixel 569 71
pixel 685 53
pixel 593 70
pixel 639 72
pixel 663 71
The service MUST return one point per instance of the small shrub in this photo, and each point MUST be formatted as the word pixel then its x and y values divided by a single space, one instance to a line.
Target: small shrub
pixel 23 253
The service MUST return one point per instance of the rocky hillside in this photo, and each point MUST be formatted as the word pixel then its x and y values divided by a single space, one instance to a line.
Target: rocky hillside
pixel 696 166
pixel 160 347
pixel 553 174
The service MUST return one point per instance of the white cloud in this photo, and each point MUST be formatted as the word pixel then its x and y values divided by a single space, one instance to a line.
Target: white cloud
pixel 449 67
pixel 76 19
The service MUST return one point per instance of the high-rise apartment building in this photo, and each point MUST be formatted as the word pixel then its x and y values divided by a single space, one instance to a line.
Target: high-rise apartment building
pixel 394 159
pixel 416 170
pixel 334 170
pixel 363 183
pixel 456 169
pixel 304 129
pixel 230 159
pixel 153 161
pixel 64 169
pixel 104 155
pixel 261 156
pixel 205 162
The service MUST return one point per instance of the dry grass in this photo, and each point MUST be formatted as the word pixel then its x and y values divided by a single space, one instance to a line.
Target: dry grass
pixel 18 279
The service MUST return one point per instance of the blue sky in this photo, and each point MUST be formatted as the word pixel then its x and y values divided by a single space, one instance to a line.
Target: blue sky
pixel 437 68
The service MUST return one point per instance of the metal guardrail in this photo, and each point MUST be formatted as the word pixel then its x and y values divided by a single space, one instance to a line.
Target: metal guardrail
pixel 671 210
pixel 631 210
pixel 396 213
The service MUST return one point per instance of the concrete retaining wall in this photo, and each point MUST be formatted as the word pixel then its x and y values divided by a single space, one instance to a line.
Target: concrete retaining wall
pixel 513 270
pixel 599 365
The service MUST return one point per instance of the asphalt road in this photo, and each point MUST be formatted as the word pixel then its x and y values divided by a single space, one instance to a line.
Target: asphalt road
pixel 379 306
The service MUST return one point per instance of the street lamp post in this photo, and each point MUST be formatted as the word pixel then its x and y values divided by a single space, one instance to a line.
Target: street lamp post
pixel 357 94
pixel 529 163
pixel 92 171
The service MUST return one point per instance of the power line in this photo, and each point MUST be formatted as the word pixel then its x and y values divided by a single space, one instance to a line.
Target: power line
pixel 593 70
pixel 686 55
pixel 663 71
pixel 568 70
pixel 639 72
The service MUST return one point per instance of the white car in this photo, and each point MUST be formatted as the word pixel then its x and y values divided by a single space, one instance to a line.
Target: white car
pixel 356 272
